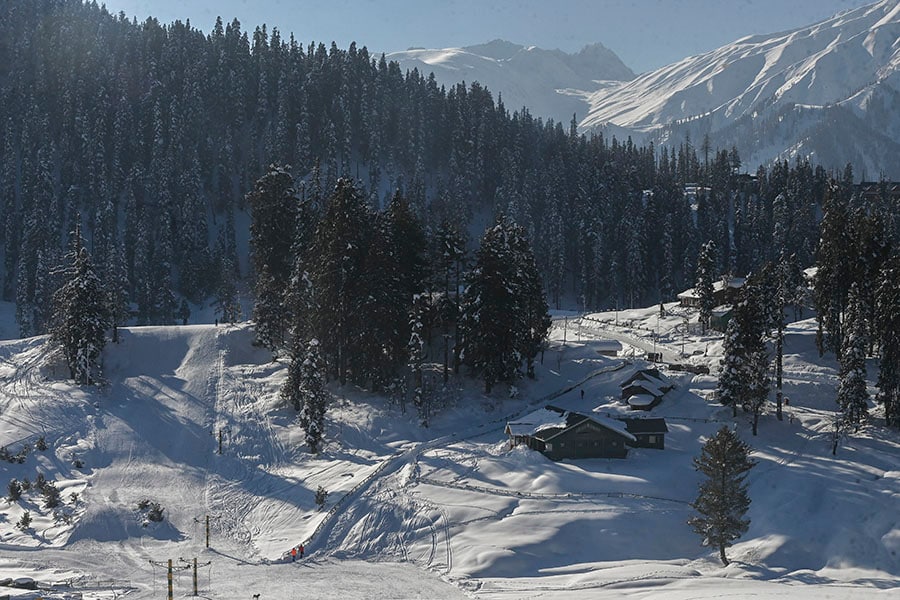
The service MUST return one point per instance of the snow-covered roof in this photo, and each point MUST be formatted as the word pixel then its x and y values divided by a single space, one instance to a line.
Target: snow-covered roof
pixel 607 344
pixel 734 283
pixel 614 425
pixel 641 400
pixel 554 418
pixel 648 386
pixel 654 377
pixel 539 420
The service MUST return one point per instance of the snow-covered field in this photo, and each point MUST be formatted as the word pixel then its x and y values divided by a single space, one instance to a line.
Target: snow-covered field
pixel 443 512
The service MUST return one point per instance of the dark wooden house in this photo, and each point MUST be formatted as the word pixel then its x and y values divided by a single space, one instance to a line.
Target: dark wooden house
pixel 725 291
pixel 645 388
pixel 559 434
pixel 649 433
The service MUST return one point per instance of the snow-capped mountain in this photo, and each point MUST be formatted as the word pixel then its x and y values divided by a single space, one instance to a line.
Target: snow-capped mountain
pixel 551 83
pixel 830 91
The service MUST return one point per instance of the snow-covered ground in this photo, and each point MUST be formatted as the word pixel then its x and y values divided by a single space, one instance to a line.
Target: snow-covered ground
pixel 444 512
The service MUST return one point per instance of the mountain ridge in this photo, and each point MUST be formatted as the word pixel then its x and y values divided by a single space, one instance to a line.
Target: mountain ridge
pixel 851 60
pixel 551 83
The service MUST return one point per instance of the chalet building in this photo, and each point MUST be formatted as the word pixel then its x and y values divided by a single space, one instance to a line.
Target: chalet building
pixel 649 433
pixel 645 388
pixel 725 291
pixel 559 434
pixel 607 347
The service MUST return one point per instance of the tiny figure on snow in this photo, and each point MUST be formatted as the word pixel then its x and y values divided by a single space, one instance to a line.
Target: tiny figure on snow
pixel 582 393
pixel 302 549
pixel 293 553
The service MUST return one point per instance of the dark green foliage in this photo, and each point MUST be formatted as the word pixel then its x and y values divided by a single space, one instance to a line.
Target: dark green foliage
pixel 706 275
pixel 50 494
pixel 80 318
pixel 24 521
pixel 41 444
pixel 336 269
pixel 887 328
pixel 158 131
pixel 308 393
pixel 150 511
pixel 504 314
pixel 833 277
pixel 321 497
pixel 722 501
pixel 743 379
pixel 273 205
pixel 852 395
pixel 13 490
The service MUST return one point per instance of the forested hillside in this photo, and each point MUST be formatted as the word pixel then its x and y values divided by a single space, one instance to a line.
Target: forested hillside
pixel 152 135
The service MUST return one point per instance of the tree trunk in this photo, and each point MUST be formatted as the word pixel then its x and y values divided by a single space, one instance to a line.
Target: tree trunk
pixel 722 556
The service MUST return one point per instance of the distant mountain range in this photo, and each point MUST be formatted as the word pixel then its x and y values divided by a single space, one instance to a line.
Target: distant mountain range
pixel 551 83
pixel 829 91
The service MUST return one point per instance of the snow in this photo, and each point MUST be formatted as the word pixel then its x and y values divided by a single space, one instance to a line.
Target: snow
pixel 552 84
pixel 445 512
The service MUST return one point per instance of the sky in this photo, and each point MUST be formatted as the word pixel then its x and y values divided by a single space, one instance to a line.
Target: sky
pixel 646 34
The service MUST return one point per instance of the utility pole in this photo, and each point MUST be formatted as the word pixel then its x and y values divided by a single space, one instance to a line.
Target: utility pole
pixel 194 565
pixel 169 582
pixel 207 518
pixel 222 432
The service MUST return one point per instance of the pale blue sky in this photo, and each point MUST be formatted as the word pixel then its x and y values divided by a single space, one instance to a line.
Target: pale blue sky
pixel 644 33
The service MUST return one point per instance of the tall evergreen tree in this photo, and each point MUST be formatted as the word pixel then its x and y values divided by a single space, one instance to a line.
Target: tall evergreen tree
pixel 315 396
pixel 743 380
pixel 273 209
pixel 338 258
pixel 722 502
pixel 833 276
pixel 706 265
pixel 887 319
pixel 852 395
pixel 80 317
pixel 502 318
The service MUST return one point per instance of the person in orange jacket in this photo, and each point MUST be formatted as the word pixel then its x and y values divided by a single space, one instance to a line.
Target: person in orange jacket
pixel 293 553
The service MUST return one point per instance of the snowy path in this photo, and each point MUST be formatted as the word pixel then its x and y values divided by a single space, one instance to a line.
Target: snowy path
pixel 380 497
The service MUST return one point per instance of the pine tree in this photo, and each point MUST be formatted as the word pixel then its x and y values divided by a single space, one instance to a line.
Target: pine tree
pixel 274 207
pixel 833 276
pixel 852 396
pixel 80 317
pixel 314 396
pixel 722 502
pixel 706 262
pixel 338 256
pixel 887 319
pixel 743 380
pixel 504 314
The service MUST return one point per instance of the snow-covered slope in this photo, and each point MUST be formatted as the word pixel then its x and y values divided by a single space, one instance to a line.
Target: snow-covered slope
pixel 810 91
pixel 444 512
pixel 551 83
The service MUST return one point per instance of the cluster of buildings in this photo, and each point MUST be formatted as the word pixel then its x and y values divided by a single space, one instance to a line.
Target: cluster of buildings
pixel 559 434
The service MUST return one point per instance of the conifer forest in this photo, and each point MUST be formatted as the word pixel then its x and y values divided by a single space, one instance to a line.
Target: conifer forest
pixel 366 190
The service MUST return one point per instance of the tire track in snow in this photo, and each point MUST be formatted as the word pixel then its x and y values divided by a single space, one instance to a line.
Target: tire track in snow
pixel 333 526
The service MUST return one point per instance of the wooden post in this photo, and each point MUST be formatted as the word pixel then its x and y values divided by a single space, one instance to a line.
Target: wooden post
pixel 195 576
pixel 207 529
pixel 169 580
pixel 220 441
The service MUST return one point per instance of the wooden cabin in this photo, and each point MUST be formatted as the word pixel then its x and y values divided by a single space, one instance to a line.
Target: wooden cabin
pixel 650 433
pixel 559 434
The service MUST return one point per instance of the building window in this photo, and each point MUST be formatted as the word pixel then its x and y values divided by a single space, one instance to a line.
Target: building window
pixel 549 447
pixel 651 439
pixel 562 444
